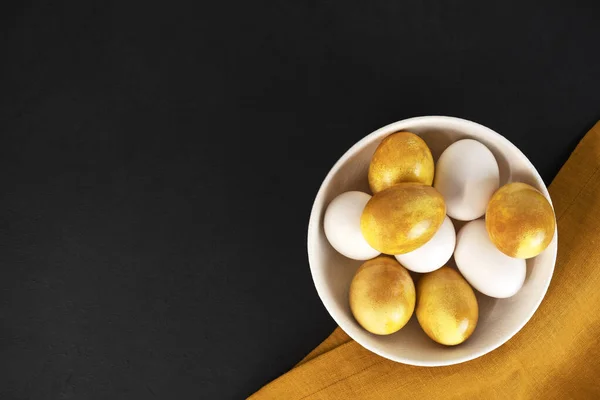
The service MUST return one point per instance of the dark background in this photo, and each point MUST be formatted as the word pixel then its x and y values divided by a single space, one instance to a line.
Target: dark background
pixel 158 164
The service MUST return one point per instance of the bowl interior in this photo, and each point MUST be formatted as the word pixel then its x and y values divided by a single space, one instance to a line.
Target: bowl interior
pixel 499 319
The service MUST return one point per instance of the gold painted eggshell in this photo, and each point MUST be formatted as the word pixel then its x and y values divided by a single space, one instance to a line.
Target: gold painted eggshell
pixel 520 220
pixel 402 218
pixel 382 295
pixel 400 157
pixel 447 308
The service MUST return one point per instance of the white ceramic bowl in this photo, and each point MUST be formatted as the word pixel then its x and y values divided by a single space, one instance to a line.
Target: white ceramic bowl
pixel 499 319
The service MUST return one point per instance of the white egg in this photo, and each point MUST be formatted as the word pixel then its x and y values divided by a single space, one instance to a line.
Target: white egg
pixel 342 226
pixel 485 267
pixel 434 254
pixel 467 175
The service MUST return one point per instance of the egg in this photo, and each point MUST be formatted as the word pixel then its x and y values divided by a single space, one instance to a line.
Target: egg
pixel 433 254
pixel 447 309
pixel 467 175
pixel 342 226
pixel 400 157
pixel 520 220
pixel 402 218
pixel 486 268
pixel 382 295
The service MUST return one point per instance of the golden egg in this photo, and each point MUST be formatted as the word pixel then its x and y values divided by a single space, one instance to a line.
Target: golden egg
pixel 382 295
pixel 402 218
pixel 447 309
pixel 520 220
pixel 400 157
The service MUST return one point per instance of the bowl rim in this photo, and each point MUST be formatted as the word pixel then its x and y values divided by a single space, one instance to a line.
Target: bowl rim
pixel 314 220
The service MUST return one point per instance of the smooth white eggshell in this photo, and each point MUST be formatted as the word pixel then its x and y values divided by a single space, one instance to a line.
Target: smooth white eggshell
pixel 433 254
pixel 467 175
pixel 486 268
pixel 342 226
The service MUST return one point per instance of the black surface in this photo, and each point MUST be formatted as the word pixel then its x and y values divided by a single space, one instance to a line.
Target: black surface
pixel 158 163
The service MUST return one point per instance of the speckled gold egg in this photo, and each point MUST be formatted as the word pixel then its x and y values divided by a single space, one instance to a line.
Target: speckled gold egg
pixel 520 220
pixel 447 308
pixel 402 218
pixel 400 157
pixel 382 295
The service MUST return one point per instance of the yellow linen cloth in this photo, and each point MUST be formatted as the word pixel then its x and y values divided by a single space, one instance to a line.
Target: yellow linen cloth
pixel 555 356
